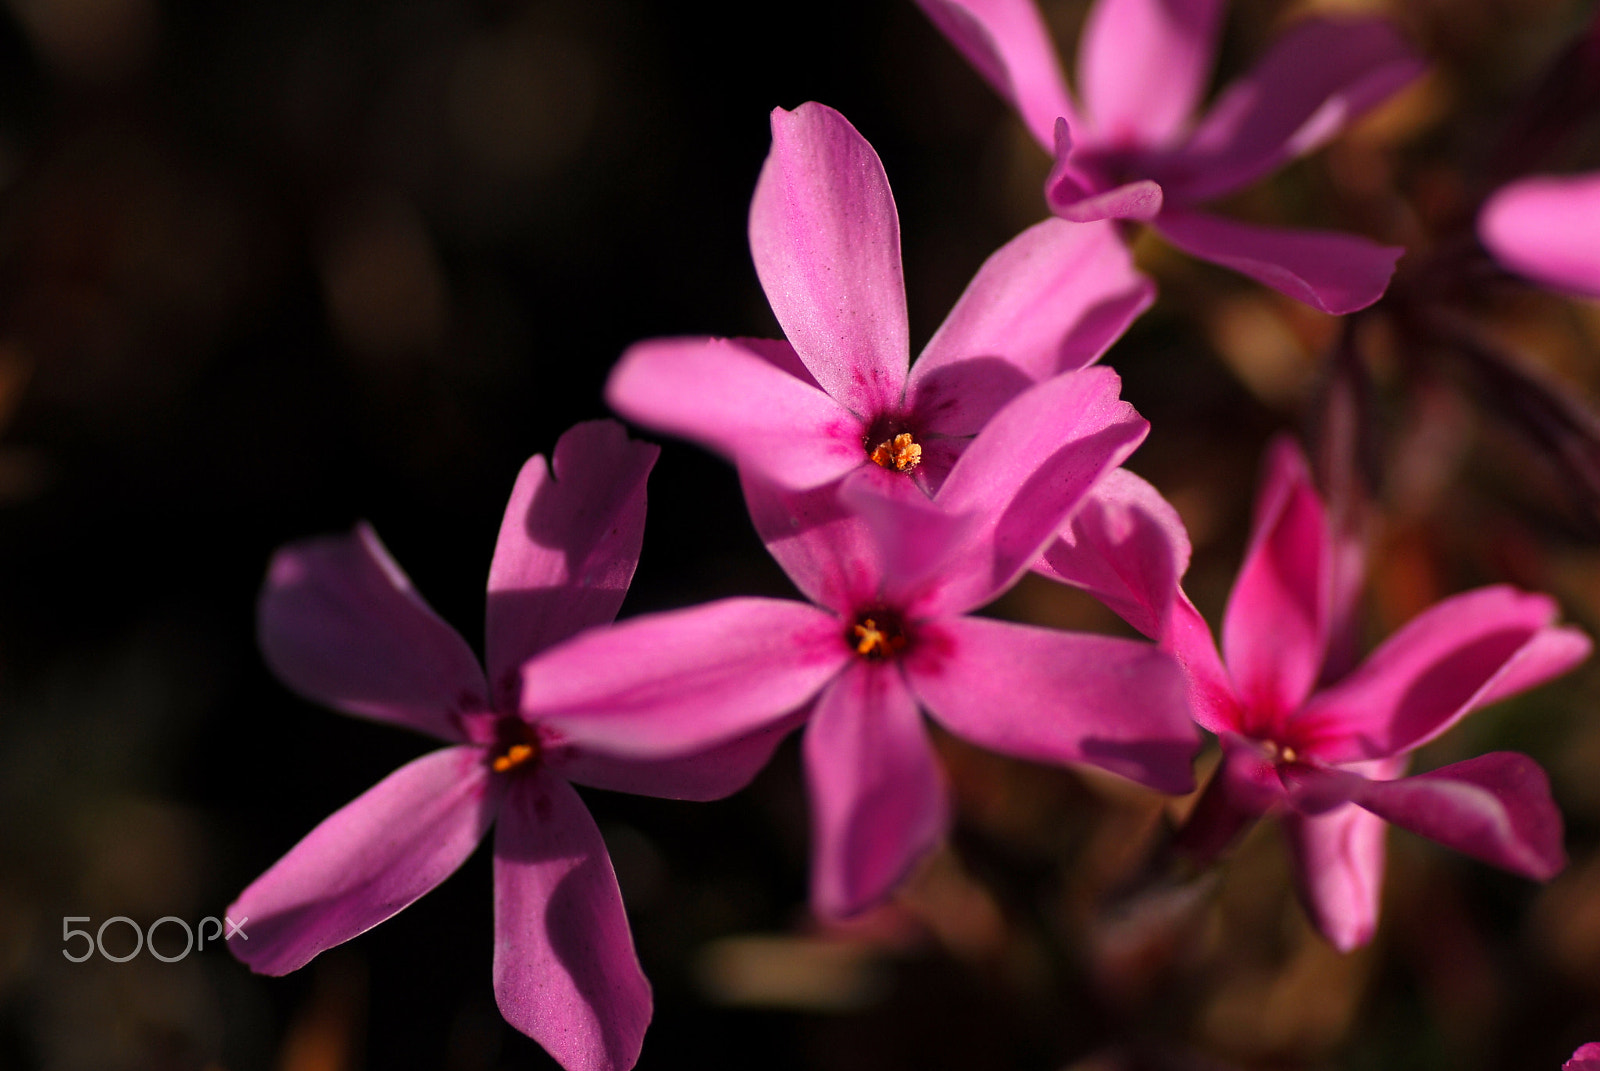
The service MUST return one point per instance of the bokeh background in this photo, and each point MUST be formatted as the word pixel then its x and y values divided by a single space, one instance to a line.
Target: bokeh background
pixel 272 266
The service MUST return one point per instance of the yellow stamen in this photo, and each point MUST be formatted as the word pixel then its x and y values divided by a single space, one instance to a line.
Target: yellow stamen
pixel 874 642
pixel 899 453
pixel 515 756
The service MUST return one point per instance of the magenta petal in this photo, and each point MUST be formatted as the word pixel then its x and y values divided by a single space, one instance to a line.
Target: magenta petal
pixel 826 242
pixel 1140 200
pixel 340 623
pixel 565 972
pixel 367 860
pixel 1544 228
pixel 1143 66
pixel 673 684
pixel 1009 45
pixel 1315 81
pixel 1336 273
pixel 1496 808
pixel 878 799
pixel 1051 300
pixel 568 546
pixel 1587 1058
pixel 709 775
pixel 1023 476
pixel 824 546
pixel 1057 697
pixel 1448 660
pixel 726 397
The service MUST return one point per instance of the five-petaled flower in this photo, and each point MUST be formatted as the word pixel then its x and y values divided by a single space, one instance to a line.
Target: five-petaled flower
pixel 341 624
pixel 1544 227
pixel 1133 151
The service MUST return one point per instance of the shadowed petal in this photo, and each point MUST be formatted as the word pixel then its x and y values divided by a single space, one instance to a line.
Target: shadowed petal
pixel 1051 300
pixel 877 794
pixel 1587 1058
pixel 340 623
pixel 1315 81
pixel 368 860
pixel 1143 66
pixel 1274 631
pixel 1496 808
pixel 729 399
pixel 1009 45
pixel 673 684
pixel 824 546
pixel 1336 273
pixel 1057 697
pixel 565 972
pixel 1063 192
pixel 826 242
pixel 1544 228
pixel 1452 658
pixel 568 546
pixel 709 775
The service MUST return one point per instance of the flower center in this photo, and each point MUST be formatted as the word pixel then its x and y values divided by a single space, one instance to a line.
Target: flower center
pixel 901 453
pixel 877 635
pixel 515 745
pixel 1277 752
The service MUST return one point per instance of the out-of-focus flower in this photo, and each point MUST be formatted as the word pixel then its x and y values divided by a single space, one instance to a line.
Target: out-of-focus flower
pixel 1134 151
pixel 1587 1058
pixel 1543 227
pixel 340 623
pixel 837 396
pixel 894 576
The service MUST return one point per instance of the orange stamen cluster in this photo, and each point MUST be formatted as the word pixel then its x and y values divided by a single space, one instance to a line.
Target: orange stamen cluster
pixel 900 453
pixel 514 756
pixel 1277 752
pixel 877 643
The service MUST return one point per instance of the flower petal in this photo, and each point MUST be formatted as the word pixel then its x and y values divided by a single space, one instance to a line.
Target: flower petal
pixel 826 241
pixel 1315 80
pixel 1587 1058
pixel 1450 659
pixel 1057 697
pixel 565 972
pixel 1009 44
pixel 1064 193
pixel 674 684
pixel 709 775
pixel 1336 273
pixel 824 546
pixel 1275 629
pixel 1339 860
pixel 340 623
pixel 1143 65
pixel 567 549
pixel 878 801
pixel 727 398
pixel 368 860
pixel 1543 227
pixel 1051 300
pixel 1496 808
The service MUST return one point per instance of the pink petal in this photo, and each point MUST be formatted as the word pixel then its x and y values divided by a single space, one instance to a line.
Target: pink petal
pixel 367 860
pixel 1023 476
pixel 726 397
pixel 877 794
pixel 1450 659
pixel 1587 1058
pixel 568 546
pixel 1212 699
pixel 1316 79
pixel 1339 858
pixel 824 546
pixel 1140 200
pixel 1009 45
pixel 1336 273
pixel 671 685
pixel 1274 631
pixel 1244 787
pixel 340 623
pixel 1543 227
pixel 1057 697
pixel 709 775
pixel 565 972
pixel 1051 300
pixel 1496 808
pixel 826 242
pixel 1143 65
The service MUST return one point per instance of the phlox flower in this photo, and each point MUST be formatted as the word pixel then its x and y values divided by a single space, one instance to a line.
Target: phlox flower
pixel 1543 227
pixel 840 394
pixel 1132 149
pixel 892 578
pixel 341 624
pixel 1329 754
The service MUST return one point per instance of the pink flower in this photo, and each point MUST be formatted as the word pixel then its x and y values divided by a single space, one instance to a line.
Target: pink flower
pixel 1133 151
pixel 893 577
pixel 341 624
pixel 1543 227
pixel 1330 753
pixel 841 394
pixel 1587 1058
